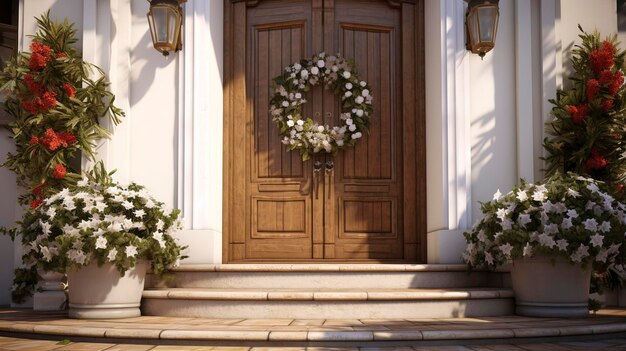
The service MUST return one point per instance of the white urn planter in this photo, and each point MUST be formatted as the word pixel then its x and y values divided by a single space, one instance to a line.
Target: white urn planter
pixel 101 293
pixel 550 287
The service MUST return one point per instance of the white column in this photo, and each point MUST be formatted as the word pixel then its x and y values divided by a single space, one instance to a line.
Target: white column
pixel 446 243
pixel 524 88
pixel 201 132
pixel 551 62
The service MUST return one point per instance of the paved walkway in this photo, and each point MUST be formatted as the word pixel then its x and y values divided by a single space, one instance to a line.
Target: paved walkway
pixel 8 343
pixel 607 328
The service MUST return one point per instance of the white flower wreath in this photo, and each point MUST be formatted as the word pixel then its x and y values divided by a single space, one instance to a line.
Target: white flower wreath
pixel 303 133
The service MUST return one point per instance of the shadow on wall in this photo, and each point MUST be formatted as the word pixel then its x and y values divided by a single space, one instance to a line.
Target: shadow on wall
pixel 145 58
pixel 60 10
pixel 493 132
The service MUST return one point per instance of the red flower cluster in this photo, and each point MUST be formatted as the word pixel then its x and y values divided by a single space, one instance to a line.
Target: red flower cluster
pixel 33 140
pixel 38 190
pixel 52 140
pixel 608 82
pixel 41 104
pixel 39 57
pixel 602 59
pixel 59 171
pixel 606 104
pixel 578 113
pixel 593 88
pixel 596 161
pixel 69 90
pixel 36 203
pixel 36 88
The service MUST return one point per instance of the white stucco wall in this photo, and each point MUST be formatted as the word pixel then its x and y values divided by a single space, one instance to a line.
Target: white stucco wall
pixel 8 209
pixel 492 112
pixel 70 9
pixel 153 101
pixel 591 15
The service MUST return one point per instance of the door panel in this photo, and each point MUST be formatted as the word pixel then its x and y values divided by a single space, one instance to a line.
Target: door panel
pixel 279 34
pixel 368 187
pixel 371 205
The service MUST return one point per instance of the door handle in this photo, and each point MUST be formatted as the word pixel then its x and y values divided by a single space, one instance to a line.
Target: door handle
pixel 329 173
pixel 330 165
pixel 317 169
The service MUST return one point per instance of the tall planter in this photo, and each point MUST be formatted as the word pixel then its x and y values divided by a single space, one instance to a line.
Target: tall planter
pixel 100 292
pixel 550 287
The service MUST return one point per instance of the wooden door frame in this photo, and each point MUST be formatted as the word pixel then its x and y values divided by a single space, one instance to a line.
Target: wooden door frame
pixel 413 60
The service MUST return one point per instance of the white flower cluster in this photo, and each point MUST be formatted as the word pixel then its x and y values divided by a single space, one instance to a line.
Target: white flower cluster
pixel 93 220
pixel 299 132
pixel 568 216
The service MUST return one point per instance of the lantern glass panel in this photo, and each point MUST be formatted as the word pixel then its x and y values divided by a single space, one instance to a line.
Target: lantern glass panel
pixel 173 26
pixel 160 24
pixel 487 17
pixel 473 28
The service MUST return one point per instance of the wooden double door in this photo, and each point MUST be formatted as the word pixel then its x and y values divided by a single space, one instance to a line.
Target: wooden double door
pixel 367 203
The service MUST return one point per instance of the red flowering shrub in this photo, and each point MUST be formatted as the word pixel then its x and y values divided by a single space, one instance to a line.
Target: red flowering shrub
pixel 586 135
pixel 55 107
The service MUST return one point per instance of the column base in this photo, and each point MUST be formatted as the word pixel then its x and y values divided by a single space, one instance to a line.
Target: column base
pixel 49 301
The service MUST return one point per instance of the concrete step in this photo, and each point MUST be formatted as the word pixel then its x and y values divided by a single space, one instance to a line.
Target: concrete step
pixel 330 276
pixel 328 303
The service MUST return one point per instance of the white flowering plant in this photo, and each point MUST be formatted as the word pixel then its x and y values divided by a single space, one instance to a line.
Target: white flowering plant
pixel 99 221
pixel 567 215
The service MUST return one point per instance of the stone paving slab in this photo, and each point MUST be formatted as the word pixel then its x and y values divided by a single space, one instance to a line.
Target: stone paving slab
pixel 153 330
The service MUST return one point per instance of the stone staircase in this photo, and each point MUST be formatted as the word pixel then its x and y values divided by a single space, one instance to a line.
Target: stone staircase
pixel 328 291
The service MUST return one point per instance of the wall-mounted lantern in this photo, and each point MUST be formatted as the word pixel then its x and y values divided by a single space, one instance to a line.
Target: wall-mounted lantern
pixel 481 21
pixel 165 18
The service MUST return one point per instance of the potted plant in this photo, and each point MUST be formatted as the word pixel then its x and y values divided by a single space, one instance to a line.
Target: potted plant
pixel 56 103
pixel 103 235
pixel 555 233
